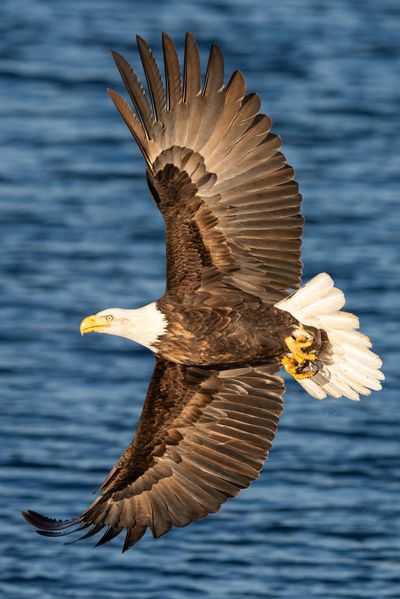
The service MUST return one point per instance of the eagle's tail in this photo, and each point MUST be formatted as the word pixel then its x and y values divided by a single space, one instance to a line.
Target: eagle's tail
pixel 350 368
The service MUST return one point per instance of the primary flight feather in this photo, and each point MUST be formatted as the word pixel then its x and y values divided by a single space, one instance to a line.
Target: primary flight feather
pixel 230 316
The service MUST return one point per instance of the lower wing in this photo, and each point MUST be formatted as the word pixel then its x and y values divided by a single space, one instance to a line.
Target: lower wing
pixel 203 435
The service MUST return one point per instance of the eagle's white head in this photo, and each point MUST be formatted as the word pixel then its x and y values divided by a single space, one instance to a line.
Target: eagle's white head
pixel 144 325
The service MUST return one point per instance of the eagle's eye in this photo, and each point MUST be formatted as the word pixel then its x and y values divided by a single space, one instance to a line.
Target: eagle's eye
pixel 109 317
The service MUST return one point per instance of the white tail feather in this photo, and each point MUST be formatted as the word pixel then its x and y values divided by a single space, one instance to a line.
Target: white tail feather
pixel 354 368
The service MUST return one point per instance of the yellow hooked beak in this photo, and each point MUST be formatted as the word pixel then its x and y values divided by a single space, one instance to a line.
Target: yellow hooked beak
pixel 93 323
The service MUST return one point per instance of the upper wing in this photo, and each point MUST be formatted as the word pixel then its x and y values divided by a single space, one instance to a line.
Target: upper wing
pixel 203 435
pixel 231 207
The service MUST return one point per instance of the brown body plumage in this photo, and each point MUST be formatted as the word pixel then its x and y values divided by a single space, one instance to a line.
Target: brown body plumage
pixel 233 242
pixel 245 332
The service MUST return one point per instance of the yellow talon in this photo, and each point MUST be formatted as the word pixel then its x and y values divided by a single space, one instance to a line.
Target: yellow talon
pixel 304 341
pixel 297 363
pixel 292 367
pixel 296 345
pixel 304 375
pixel 289 365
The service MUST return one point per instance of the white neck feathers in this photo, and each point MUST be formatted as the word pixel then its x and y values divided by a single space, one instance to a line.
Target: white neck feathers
pixel 148 324
pixel 144 325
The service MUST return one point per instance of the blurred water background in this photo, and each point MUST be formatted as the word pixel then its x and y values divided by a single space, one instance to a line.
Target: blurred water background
pixel 79 233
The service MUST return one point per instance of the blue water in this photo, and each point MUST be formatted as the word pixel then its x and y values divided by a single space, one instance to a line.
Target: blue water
pixel 79 234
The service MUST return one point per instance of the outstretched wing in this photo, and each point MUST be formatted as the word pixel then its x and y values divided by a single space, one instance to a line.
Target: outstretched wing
pixel 231 207
pixel 203 435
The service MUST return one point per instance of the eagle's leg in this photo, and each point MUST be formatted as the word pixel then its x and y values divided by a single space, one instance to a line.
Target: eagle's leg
pixel 299 362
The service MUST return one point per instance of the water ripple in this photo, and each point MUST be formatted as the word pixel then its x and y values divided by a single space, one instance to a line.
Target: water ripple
pixel 79 233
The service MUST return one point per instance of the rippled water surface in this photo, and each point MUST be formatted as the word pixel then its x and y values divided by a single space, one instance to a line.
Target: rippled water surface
pixel 79 233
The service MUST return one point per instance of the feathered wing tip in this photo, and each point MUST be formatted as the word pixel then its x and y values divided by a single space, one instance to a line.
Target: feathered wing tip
pixel 49 527
pixel 353 369
pixel 173 111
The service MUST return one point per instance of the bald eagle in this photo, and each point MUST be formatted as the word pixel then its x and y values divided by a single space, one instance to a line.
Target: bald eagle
pixel 230 316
